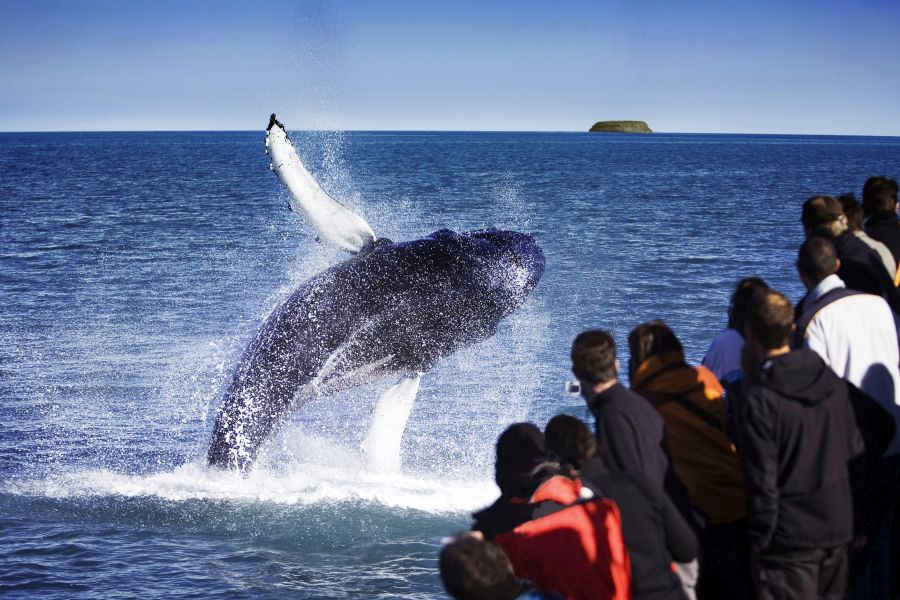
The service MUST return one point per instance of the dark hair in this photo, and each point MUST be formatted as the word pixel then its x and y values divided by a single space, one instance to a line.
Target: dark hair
pixel 770 317
pixel 594 356
pixel 475 569
pixel 652 338
pixel 743 291
pixel 822 216
pixel 521 460
pixel 570 440
pixel 817 259
pixel 879 195
pixel 853 211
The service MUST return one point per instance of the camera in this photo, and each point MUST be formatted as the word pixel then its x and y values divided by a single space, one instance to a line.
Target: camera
pixel 573 388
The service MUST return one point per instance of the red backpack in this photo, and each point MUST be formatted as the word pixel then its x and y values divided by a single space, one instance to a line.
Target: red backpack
pixel 577 551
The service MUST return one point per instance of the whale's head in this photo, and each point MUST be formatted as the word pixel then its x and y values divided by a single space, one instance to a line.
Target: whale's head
pixel 494 270
pixel 515 258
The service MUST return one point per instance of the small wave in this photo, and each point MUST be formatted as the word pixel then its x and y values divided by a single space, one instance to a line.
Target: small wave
pixel 700 259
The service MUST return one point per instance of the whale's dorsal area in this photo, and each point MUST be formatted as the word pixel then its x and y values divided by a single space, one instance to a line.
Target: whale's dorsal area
pixel 334 223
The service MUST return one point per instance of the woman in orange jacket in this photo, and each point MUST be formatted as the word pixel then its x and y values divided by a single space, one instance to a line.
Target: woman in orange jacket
pixel 690 401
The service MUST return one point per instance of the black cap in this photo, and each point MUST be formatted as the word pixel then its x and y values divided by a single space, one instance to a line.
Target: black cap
pixel 821 209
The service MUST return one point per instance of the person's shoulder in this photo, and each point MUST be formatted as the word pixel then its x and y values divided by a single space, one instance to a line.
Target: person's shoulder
pixel 855 306
pixel 618 485
pixel 624 403
pixel 727 338
pixel 634 480
pixel 752 390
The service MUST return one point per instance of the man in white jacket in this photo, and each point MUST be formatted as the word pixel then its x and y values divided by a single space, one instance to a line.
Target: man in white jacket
pixel 853 332
pixel 856 335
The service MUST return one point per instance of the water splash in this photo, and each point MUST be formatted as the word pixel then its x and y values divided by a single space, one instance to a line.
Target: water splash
pixel 342 477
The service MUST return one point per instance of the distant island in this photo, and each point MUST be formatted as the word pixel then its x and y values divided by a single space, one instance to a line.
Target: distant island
pixel 621 127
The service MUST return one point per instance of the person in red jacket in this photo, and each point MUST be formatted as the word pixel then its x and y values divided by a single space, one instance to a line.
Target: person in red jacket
pixel 654 531
pixel 556 531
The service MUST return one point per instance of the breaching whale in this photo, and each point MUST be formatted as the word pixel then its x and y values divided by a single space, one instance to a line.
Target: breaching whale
pixel 391 310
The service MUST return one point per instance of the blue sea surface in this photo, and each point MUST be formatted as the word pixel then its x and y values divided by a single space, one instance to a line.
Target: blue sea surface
pixel 135 268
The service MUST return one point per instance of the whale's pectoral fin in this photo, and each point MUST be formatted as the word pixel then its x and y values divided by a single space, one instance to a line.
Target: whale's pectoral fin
pixel 334 223
pixel 382 444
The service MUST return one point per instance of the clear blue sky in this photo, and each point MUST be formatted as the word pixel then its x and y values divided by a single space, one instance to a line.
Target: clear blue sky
pixel 787 66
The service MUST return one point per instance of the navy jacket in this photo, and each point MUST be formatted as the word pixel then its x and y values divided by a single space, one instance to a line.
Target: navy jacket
pixel 862 270
pixel 631 438
pixel 630 434
pixel 654 531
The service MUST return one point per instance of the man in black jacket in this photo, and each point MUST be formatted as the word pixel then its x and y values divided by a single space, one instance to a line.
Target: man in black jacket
pixel 630 433
pixel 880 208
pixel 631 436
pixel 797 434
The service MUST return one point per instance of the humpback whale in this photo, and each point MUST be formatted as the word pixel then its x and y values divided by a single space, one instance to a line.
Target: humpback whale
pixel 390 310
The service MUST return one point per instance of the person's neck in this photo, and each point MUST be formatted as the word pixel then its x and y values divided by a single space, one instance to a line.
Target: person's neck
pixel 773 352
pixel 602 387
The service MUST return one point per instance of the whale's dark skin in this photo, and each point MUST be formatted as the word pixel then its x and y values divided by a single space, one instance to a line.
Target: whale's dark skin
pixel 394 308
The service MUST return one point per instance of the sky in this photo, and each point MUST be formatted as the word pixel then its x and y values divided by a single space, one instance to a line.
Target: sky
pixel 787 66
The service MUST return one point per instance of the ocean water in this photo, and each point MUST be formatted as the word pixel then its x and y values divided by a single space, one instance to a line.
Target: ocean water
pixel 135 267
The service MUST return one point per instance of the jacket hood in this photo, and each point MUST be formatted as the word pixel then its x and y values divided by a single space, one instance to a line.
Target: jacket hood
pixel 801 376
pixel 520 458
pixel 669 374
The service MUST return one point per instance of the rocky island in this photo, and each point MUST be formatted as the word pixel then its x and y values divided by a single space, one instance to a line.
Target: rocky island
pixel 621 127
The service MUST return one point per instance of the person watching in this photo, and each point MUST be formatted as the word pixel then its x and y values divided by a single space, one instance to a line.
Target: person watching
pixel 690 401
pixel 879 206
pixel 724 355
pixel 855 223
pixel 654 531
pixel 797 434
pixel 855 334
pixel 861 269
pixel 473 568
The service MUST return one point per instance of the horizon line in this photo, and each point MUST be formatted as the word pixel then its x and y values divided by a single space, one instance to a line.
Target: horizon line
pixel 332 130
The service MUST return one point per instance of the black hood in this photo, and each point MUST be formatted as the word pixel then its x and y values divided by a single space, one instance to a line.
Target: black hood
pixel 800 375
pixel 520 455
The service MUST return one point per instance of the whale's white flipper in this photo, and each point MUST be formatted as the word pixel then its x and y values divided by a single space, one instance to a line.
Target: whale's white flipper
pixel 382 444
pixel 333 222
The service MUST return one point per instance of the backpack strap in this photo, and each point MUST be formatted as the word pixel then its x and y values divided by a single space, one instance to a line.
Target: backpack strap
pixel 810 312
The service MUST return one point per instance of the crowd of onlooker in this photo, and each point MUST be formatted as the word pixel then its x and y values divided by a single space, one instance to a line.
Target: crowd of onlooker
pixel 770 471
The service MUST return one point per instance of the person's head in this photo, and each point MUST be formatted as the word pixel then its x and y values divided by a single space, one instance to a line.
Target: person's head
pixel 653 338
pixel 743 291
pixel 823 215
pixel 570 440
pixel 879 196
pixel 769 321
pixel 473 568
pixel 594 359
pixel 816 260
pixel 520 458
pixel 852 210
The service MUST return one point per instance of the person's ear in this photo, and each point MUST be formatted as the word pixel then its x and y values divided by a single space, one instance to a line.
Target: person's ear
pixel 618 366
pixel 837 265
